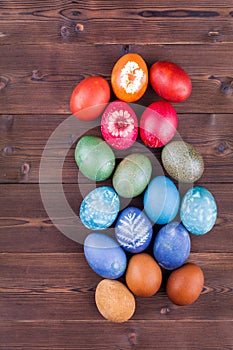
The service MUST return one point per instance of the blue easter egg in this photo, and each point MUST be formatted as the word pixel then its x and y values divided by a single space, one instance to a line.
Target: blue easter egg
pixel 198 211
pixel 172 246
pixel 161 200
pixel 133 230
pixel 104 255
pixel 99 208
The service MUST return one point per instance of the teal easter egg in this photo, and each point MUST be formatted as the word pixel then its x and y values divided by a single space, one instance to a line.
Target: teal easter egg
pixel 161 200
pixel 104 255
pixel 182 161
pixel 100 208
pixel 132 175
pixel 94 158
pixel 198 210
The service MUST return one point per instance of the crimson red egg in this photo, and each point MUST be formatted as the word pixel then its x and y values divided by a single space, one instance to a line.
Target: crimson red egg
pixel 158 124
pixel 170 81
pixel 119 125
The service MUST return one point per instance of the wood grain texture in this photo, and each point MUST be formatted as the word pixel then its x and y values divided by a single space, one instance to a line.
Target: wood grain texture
pixel 26 227
pixel 84 335
pixel 47 84
pixel 22 143
pixel 153 24
pixel 46 287
pixel 62 286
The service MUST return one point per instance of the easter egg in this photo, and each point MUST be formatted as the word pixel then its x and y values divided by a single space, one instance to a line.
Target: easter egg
pixel 143 275
pixel 99 208
pixel 94 158
pixel 119 125
pixel 158 124
pixel 172 246
pixel 104 255
pixel 161 200
pixel 114 301
pixel 129 78
pixel 198 211
pixel 185 284
pixel 170 81
pixel 132 175
pixel 182 161
pixel 133 230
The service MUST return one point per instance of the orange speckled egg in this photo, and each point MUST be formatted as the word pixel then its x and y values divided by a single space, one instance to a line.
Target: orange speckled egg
pixel 143 275
pixel 114 301
pixel 185 284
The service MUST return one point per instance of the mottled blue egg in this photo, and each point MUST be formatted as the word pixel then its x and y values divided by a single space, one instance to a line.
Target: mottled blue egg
pixel 172 246
pixel 99 208
pixel 198 210
pixel 133 230
pixel 104 255
pixel 161 200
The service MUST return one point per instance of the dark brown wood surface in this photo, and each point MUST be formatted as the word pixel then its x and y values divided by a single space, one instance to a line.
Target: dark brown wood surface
pixel 46 287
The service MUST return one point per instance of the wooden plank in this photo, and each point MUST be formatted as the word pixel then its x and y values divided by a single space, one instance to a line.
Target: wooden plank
pixel 102 335
pixel 31 85
pixel 110 23
pixel 26 227
pixel 23 140
pixel 57 286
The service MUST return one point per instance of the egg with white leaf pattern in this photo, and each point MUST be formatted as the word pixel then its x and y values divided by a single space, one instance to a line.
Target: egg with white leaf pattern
pixel 133 230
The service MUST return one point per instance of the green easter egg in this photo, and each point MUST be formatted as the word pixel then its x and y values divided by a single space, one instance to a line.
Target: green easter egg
pixel 132 175
pixel 94 158
pixel 182 161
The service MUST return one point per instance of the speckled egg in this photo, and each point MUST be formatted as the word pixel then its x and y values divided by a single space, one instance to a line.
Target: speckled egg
pixel 172 246
pixel 133 230
pixel 114 301
pixel 104 255
pixel 161 200
pixel 100 208
pixel 185 284
pixel 132 175
pixel 94 158
pixel 182 161
pixel 198 210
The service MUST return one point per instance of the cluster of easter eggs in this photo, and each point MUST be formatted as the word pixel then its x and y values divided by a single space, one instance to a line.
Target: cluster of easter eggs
pixel 124 254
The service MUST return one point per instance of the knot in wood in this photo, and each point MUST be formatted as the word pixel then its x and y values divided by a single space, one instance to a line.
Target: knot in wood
pixel 7 151
pixel 25 169
pixel 132 338
pixel 79 27
pixel 64 31
pixel 165 310
pixel 222 147
pixel 3 82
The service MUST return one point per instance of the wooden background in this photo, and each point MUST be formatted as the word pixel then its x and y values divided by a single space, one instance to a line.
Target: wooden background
pixel 46 287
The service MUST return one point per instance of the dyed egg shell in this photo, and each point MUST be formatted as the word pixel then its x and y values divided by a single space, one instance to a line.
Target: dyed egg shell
pixel 161 200
pixel 143 275
pixel 94 158
pixel 172 246
pixel 133 230
pixel 114 301
pixel 182 161
pixel 158 124
pixel 185 284
pixel 198 211
pixel 104 255
pixel 132 175
pixel 119 125
pixel 99 208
